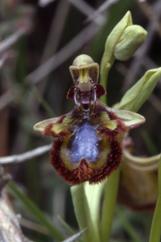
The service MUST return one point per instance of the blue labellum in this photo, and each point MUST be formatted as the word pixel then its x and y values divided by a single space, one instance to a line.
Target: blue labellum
pixel 84 144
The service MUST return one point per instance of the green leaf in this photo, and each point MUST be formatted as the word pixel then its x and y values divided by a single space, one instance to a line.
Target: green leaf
pixel 35 211
pixel 86 200
pixel 136 96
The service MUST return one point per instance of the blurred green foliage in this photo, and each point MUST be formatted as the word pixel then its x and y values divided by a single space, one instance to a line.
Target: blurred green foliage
pixel 47 190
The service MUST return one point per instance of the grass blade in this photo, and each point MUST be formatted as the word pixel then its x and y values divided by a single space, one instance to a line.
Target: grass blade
pixel 74 237
pixel 35 211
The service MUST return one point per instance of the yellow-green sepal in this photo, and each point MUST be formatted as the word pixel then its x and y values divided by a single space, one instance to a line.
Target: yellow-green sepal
pixel 130 119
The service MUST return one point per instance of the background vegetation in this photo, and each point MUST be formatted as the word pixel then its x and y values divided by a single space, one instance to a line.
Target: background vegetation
pixel 39 40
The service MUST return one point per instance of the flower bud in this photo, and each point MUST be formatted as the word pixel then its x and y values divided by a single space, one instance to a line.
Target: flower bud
pixel 130 41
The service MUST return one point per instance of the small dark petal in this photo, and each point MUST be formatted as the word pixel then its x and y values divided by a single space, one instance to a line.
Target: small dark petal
pixel 70 93
pixel 47 130
pixel 100 91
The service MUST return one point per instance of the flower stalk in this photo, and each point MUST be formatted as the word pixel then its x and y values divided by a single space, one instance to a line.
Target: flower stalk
pixel 155 232
pixel 109 204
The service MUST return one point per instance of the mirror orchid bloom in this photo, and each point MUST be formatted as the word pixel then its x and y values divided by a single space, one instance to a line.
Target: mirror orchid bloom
pixel 87 141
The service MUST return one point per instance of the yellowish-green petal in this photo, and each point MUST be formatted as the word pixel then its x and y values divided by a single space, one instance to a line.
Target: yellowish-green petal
pixel 130 119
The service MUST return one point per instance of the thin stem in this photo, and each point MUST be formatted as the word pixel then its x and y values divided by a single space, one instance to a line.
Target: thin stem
pixel 155 233
pixel 19 158
pixel 109 203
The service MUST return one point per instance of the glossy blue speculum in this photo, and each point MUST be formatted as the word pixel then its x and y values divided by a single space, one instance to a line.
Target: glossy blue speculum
pixel 84 144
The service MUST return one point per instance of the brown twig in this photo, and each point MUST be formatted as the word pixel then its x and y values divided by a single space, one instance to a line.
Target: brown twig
pixel 11 40
pixel 77 42
pixel 56 30
pixel 149 12
pixel 19 158
pixel 107 4
pixel 10 230
pixel 86 9
pixel 6 99
pixel 83 7
pixel 43 3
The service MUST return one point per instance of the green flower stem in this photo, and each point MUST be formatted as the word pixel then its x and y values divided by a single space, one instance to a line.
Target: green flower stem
pixel 86 201
pixel 155 233
pixel 81 210
pixel 111 185
pixel 109 202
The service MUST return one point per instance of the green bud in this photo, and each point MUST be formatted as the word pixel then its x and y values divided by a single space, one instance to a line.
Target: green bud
pixel 130 41
pixel 111 42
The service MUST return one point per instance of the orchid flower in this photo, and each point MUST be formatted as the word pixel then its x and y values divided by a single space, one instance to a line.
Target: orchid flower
pixel 88 140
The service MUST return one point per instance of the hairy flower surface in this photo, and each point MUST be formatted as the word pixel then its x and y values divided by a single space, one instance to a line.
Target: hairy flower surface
pixel 88 140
